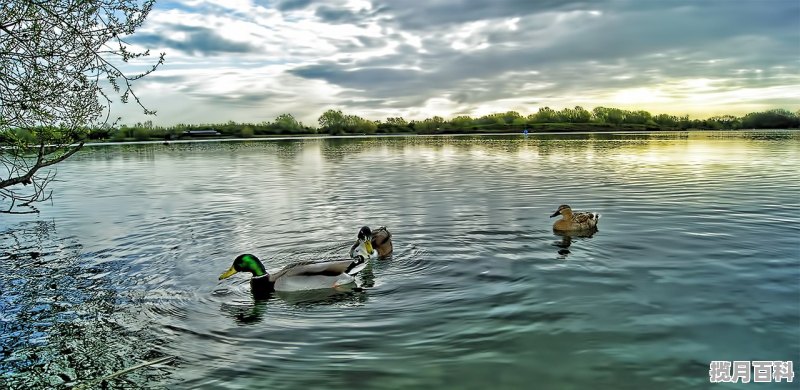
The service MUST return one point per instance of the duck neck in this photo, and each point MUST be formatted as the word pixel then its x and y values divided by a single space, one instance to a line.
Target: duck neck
pixel 566 214
pixel 259 271
pixel 255 267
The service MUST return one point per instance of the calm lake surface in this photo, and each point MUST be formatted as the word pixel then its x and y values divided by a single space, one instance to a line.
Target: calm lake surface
pixel 696 259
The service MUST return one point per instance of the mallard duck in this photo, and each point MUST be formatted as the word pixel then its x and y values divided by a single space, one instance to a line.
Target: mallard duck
pixel 577 221
pixel 306 275
pixel 372 244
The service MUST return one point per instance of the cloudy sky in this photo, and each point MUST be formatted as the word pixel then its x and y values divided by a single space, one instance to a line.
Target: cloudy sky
pixel 251 60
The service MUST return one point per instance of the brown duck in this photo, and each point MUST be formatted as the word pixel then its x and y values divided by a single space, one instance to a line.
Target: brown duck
pixel 574 221
pixel 372 244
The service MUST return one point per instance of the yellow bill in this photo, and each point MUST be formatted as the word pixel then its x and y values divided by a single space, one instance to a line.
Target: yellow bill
pixel 368 246
pixel 228 273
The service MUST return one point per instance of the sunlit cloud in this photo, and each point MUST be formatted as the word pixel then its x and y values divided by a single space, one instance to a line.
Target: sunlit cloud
pixel 250 61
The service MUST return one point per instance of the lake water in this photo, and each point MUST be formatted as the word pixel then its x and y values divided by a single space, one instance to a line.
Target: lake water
pixel 695 259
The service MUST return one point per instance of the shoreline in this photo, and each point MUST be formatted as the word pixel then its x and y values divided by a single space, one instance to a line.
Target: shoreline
pixel 406 135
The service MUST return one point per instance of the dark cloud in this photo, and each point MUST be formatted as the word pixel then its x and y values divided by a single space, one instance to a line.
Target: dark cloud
pixel 539 52
pixel 337 15
pixel 359 79
pixel 290 5
pixel 363 103
pixel 240 99
pixel 340 15
pixel 200 41
pixel 625 45
pixel 159 78
pixel 371 42
pixel 436 14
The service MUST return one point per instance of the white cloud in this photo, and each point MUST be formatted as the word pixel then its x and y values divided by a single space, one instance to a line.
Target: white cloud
pixel 239 60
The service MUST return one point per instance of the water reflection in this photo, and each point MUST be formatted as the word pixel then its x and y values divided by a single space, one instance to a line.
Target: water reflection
pixel 567 238
pixel 246 313
pixel 471 297
pixel 367 276
pixel 343 294
pixel 253 312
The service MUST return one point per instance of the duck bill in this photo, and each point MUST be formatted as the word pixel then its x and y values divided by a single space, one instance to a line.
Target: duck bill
pixel 555 214
pixel 368 246
pixel 228 273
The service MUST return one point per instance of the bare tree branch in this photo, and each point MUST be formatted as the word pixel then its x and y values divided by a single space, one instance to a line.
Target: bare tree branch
pixel 54 57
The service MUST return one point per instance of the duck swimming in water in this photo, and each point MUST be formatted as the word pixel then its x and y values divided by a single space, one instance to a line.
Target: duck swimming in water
pixel 372 244
pixel 574 221
pixel 300 276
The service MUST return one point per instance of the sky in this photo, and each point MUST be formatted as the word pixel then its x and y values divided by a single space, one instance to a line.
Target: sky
pixel 252 60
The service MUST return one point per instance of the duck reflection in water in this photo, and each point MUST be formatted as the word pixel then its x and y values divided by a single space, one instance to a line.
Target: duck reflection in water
pixel 253 312
pixel 246 314
pixel 566 240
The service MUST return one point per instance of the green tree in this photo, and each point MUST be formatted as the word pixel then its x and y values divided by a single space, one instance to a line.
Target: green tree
pixel 246 132
pixel 519 121
pixel 771 119
pixel 581 115
pixel 287 124
pixel 510 116
pixel 725 122
pixel 461 122
pixel 396 121
pixel 366 126
pixel 53 56
pixel 491 120
pixel 430 125
pixel 141 134
pixel 666 120
pixel 608 115
pixel 392 125
pixel 332 121
pixel 637 117
pixel 546 115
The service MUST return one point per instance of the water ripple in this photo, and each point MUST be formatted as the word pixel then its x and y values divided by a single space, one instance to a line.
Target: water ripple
pixel 693 251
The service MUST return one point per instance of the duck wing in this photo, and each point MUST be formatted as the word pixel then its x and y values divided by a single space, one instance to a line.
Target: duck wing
pixel 309 268
pixel 583 217
pixel 585 220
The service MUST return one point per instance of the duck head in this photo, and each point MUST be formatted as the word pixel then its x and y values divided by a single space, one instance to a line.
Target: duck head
pixel 365 238
pixel 245 263
pixel 563 209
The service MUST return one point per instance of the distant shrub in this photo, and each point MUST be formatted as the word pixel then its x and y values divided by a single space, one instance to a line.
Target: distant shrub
pixel 141 134
pixel 118 136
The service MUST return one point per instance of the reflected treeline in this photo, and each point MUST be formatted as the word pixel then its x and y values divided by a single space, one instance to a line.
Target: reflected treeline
pixel 61 325
pixel 338 149
pixel 148 150
pixel 765 135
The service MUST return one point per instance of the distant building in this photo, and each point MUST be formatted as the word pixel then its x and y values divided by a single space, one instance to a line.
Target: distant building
pixel 194 133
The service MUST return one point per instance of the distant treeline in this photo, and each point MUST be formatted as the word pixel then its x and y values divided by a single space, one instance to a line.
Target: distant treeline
pixel 336 122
